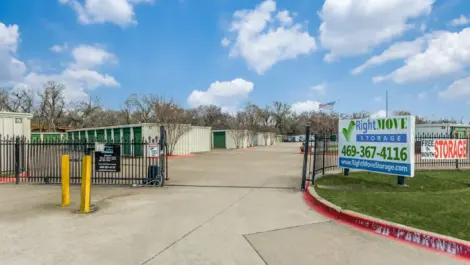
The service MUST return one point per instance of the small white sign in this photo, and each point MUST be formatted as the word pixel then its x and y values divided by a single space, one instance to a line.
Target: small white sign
pixel 152 150
pixel 99 147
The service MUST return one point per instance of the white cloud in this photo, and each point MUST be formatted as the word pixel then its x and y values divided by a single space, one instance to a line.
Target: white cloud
pixel 378 99
pixel 305 106
pixel 446 53
pixel 225 42
pixel 458 89
pixel 262 42
pixel 59 48
pixel 79 77
pixel 226 94
pixel 284 17
pixel 399 50
pixel 120 12
pixel 11 69
pixel 320 88
pixel 88 57
pixel 462 20
pixel 379 114
pixel 353 27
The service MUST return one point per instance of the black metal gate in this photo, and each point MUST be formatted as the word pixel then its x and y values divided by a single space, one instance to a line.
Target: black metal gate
pixel 320 155
pixel 39 162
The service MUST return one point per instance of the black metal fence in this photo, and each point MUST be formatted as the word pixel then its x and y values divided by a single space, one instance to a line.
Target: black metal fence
pixel 321 155
pixel 39 162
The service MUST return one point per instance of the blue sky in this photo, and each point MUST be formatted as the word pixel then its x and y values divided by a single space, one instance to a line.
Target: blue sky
pixel 231 52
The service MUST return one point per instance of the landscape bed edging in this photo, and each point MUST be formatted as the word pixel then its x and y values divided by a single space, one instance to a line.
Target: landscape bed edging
pixel 431 241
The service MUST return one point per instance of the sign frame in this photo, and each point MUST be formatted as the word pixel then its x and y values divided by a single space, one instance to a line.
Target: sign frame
pixel 381 145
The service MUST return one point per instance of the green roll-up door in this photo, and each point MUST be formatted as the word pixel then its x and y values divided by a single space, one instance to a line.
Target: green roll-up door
pixel 76 136
pixel 35 138
pixel 117 135
pixel 91 136
pixel 219 140
pixel 109 136
pixel 138 150
pixel 126 137
pixel 100 135
pixel 82 136
pixel 51 137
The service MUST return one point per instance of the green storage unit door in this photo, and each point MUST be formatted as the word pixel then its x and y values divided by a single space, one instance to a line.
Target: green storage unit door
pixel 138 150
pixel 83 136
pixel 100 135
pixel 91 136
pixel 117 135
pixel 126 137
pixel 219 140
pixel 51 137
pixel 35 138
pixel 76 136
pixel 109 136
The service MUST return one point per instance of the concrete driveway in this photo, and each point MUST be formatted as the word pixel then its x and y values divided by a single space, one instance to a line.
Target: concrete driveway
pixel 225 207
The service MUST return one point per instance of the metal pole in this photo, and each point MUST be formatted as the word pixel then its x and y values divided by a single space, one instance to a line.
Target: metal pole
pixel 17 160
pixel 314 157
pixel 386 103
pixel 304 168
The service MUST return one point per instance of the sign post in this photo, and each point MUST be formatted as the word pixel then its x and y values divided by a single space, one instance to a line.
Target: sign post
pixel 383 145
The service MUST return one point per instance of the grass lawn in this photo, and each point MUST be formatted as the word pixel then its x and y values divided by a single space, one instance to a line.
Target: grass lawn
pixel 437 201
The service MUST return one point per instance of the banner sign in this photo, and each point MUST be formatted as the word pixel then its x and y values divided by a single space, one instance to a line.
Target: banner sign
pixel 383 145
pixel 444 149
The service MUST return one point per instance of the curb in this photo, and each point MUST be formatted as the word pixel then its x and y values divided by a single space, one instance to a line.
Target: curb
pixel 12 179
pixel 452 247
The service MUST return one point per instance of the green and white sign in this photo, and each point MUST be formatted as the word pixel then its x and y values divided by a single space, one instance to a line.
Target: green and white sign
pixel 383 145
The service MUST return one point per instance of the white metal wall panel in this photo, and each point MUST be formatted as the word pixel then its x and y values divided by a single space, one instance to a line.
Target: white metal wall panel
pixel 229 142
pixel 200 139
pixel 261 139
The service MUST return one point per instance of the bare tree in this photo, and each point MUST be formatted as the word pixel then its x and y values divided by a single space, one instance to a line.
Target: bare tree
pixel 238 131
pixel 280 113
pixel 51 106
pixel 174 118
pixel 17 100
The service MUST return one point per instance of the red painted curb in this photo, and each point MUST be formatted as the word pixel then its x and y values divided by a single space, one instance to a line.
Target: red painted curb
pixel 12 179
pixel 428 241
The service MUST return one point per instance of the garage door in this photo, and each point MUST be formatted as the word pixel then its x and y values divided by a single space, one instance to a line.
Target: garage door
pixel 219 140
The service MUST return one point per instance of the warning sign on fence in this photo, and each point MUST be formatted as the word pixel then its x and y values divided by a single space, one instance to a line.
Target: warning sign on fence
pixel 444 149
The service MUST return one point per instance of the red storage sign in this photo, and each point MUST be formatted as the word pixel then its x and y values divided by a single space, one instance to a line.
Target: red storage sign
pixel 444 149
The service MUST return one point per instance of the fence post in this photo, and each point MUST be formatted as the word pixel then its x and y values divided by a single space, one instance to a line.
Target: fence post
pixel 324 154
pixel 17 160
pixel 304 168
pixel 314 157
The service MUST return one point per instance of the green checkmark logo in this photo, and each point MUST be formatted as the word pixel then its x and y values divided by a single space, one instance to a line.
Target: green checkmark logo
pixel 348 132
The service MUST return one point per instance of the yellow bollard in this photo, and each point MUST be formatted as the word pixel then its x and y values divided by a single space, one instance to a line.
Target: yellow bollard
pixel 65 180
pixel 86 185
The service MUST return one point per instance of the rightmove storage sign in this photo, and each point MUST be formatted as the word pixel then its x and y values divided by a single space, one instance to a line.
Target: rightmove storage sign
pixel 383 145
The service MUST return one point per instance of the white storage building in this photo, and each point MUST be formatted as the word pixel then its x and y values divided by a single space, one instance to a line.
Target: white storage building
pixel 196 140
pixel 12 125
pixel 454 130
